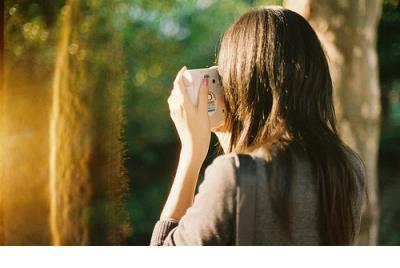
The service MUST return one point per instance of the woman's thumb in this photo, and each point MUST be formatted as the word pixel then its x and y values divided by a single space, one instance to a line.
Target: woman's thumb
pixel 203 94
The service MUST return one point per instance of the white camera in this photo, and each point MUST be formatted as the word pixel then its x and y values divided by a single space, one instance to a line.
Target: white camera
pixel 216 101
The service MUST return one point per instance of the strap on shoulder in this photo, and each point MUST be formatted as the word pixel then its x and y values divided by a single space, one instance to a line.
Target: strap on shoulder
pixel 246 176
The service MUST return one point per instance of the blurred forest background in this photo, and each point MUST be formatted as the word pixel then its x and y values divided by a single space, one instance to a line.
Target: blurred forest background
pixel 130 51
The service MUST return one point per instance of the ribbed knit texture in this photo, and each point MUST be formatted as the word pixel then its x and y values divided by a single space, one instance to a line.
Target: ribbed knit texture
pixel 161 229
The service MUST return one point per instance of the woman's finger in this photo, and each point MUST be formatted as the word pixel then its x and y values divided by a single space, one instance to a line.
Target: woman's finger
pixel 177 78
pixel 203 95
pixel 182 88
pixel 179 89
pixel 175 101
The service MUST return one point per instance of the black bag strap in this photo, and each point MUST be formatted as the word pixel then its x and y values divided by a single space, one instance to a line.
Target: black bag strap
pixel 246 174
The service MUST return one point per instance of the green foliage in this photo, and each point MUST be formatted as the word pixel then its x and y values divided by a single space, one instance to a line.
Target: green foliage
pixel 159 40
pixel 389 60
pixel 389 149
pixel 31 31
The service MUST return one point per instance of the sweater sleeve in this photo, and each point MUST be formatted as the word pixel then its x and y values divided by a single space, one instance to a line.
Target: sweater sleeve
pixel 210 220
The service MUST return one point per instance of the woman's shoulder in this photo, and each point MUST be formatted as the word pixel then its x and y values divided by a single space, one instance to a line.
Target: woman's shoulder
pixel 230 161
pixel 227 168
pixel 219 181
pixel 222 172
pixel 226 159
pixel 224 165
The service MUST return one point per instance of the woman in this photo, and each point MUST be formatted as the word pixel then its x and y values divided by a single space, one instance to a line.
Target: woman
pixel 278 93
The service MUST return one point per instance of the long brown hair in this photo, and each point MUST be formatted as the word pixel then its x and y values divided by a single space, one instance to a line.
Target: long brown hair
pixel 278 91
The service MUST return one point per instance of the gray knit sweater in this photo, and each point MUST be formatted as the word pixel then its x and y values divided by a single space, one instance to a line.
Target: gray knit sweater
pixel 211 219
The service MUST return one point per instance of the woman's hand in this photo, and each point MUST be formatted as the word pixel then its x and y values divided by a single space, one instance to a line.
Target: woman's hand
pixel 193 128
pixel 191 122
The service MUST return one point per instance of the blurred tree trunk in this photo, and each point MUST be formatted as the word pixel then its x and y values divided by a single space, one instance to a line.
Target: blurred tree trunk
pixel 347 30
pixel 1 122
pixel 62 181
pixel 87 178
pixel 70 146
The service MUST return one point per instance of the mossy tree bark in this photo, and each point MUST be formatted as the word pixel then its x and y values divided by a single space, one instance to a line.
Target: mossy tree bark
pixel 348 30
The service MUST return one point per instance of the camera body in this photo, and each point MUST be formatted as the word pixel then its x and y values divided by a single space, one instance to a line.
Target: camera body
pixel 216 101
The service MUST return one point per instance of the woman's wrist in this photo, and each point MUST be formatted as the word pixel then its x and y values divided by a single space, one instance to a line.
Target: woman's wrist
pixel 189 161
pixel 193 153
pixel 183 187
